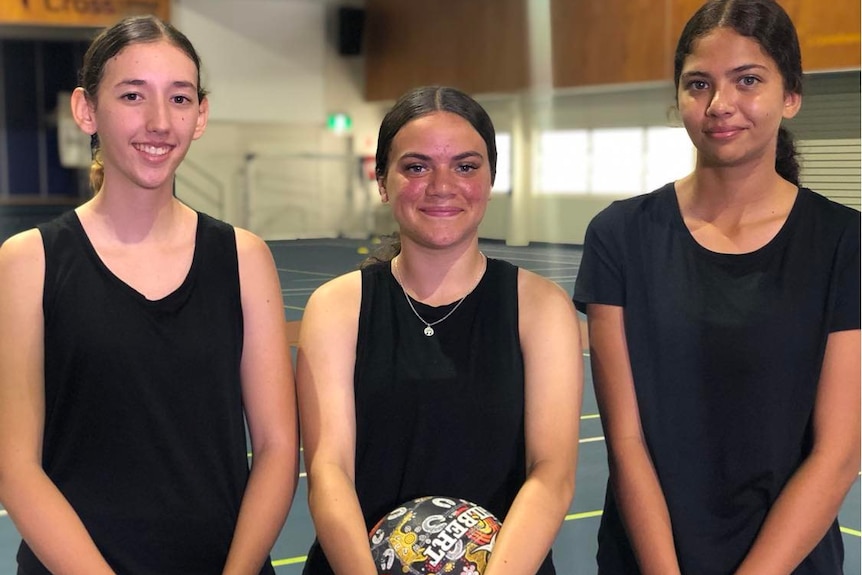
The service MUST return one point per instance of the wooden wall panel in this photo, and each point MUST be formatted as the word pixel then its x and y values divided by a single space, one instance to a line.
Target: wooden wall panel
pixel 481 46
pixel 478 46
pixel 608 41
pixel 829 32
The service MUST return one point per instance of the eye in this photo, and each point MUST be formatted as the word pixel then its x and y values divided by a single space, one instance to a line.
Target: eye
pixel 698 85
pixel 414 168
pixel 180 99
pixel 749 81
pixel 131 97
pixel 467 168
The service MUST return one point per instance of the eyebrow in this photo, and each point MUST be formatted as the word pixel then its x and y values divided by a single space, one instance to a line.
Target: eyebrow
pixel 181 84
pixel 737 70
pixel 427 158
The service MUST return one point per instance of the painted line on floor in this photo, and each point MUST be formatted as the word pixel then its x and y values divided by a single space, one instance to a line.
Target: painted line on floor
pixel 591 439
pixel 590 416
pixel 289 561
pixel 583 515
pixel 3 513
pixel 852 532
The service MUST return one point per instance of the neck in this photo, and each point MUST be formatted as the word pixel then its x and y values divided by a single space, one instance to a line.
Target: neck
pixel 135 217
pixel 711 192
pixel 438 279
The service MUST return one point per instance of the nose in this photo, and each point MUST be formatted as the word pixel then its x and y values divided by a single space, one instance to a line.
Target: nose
pixel 721 102
pixel 157 117
pixel 440 183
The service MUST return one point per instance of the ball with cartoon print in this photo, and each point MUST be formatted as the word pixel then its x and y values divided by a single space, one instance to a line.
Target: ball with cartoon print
pixel 430 535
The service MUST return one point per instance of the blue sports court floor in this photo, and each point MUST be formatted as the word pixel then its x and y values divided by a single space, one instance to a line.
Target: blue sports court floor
pixel 305 264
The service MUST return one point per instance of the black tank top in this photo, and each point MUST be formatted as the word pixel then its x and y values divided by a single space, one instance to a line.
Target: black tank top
pixel 144 431
pixel 439 415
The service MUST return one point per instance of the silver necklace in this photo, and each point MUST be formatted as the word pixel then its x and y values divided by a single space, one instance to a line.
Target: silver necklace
pixel 429 329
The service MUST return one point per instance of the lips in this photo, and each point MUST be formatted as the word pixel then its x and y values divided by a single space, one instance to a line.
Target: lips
pixel 441 211
pixel 153 149
pixel 722 132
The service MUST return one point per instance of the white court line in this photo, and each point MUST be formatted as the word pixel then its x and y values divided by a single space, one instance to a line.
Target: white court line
pixel 591 439
pixel 3 513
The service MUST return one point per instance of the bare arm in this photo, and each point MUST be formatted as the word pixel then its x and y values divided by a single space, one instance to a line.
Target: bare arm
pixel 39 510
pixel 553 371
pixel 633 476
pixel 270 404
pixel 810 501
pixel 325 364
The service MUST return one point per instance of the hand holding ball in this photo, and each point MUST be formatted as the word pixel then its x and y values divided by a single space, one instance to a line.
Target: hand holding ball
pixel 434 535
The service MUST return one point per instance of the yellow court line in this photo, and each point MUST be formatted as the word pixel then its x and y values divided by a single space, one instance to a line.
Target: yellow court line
pixel 591 416
pixel 584 515
pixel 853 532
pixel 290 561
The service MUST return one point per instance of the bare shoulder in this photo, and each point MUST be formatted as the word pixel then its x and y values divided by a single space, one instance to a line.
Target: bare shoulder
pixel 339 295
pixel 22 277
pixel 249 245
pixel 537 293
pixel 23 253
pixel 331 316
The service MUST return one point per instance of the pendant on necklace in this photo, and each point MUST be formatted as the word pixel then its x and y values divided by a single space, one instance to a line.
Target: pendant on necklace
pixel 429 331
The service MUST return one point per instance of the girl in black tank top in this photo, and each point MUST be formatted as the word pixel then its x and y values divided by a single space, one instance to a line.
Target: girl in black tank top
pixel 444 365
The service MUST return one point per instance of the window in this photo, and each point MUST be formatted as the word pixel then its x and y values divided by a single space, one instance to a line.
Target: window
pixel 618 161
pixel 503 180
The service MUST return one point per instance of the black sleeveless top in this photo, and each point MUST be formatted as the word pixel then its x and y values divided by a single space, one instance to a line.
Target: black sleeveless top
pixel 144 431
pixel 439 415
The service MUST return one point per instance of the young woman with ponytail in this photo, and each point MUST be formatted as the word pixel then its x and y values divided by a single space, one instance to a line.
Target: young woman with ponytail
pixel 138 337
pixel 724 316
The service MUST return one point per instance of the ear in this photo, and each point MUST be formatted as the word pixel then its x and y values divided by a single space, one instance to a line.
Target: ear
pixel 792 104
pixel 381 189
pixel 83 111
pixel 203 116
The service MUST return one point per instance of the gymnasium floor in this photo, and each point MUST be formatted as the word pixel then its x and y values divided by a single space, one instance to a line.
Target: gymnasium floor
pixel 305 264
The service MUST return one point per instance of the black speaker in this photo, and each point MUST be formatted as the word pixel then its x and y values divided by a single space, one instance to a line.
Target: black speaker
pixel 350 24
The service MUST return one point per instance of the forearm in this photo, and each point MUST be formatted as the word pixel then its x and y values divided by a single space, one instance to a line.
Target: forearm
pixel 50 526
pixel 533 521
pixel 339 523
pixel 801 516
pixel 643 508
pixel 265 504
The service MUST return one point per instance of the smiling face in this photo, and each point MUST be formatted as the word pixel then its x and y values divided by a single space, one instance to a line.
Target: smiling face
pixel 146 113
pixel 732 99
pixel 438 180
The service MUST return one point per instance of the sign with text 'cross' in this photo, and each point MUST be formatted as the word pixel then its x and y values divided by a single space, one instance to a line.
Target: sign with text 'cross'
pixel 78 13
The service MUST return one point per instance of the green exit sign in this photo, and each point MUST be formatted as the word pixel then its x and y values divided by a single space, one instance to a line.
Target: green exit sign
pixel 339 122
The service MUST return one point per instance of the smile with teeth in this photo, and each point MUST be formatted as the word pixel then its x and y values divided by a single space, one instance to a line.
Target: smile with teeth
pixel 153 150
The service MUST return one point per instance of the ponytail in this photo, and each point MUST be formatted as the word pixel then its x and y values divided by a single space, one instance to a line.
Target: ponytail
pixel 786 162
pixel 97 168
pixel 390 246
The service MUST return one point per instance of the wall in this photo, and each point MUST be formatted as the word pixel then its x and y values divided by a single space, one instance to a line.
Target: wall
pixel 275 74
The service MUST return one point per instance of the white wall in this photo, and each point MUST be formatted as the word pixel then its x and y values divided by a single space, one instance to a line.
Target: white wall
pixel 274 75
